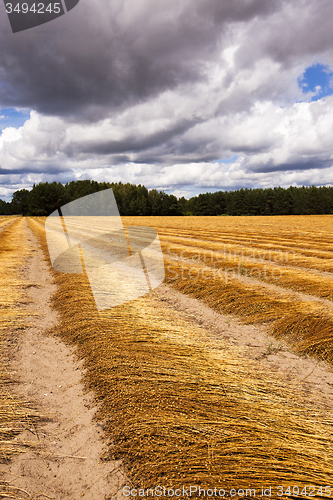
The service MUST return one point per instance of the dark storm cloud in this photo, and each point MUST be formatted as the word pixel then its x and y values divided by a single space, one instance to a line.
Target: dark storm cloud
pixel 303 29
pixel 34 169
pixel 294 164
pixel 100 56
pixel 133 143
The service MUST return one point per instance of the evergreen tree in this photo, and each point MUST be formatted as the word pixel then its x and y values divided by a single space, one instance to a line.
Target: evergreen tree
pixel 131 200
pixel 5 208
pixel 45 198
pixel 169 204
pixel 204 205
pixel 20 202
pixel 154 202
pixel 219 203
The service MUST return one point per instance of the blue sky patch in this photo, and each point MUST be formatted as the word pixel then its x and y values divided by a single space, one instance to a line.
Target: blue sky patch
pixel 317 78
pixel 10 117
pixel 228 160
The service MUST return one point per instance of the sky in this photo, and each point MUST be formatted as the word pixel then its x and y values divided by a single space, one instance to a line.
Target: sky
pixel 185 96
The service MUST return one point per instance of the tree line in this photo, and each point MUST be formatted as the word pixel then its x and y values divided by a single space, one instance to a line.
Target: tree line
pixel 46 197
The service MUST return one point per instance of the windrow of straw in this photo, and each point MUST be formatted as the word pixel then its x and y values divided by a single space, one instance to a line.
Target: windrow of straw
pixel 219 274
pixel 305 241
pixel 3 219
pixel 180 414
pixel 15 415
pixel 306 325
pixel 273 272
pixel 274 251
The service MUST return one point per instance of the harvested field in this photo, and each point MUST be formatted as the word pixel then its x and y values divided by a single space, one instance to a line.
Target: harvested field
pixel 272 270
pixel 180 413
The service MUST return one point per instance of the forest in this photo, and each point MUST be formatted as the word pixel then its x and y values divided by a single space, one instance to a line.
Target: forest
pixel 133 200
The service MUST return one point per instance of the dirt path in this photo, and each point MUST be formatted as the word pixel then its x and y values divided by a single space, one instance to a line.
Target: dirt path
pixel 280 292
pixel 66 463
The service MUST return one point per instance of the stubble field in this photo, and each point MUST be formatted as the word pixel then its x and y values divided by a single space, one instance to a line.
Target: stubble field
pixel 275 270
pixel 179 412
